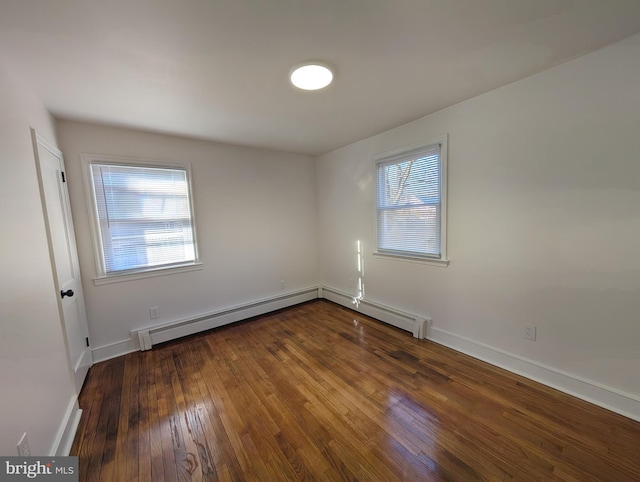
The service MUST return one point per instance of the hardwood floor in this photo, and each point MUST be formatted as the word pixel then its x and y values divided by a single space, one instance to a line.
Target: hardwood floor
pixel 318 392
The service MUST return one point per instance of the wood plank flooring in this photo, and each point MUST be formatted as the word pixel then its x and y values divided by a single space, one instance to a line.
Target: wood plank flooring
pixel 318 392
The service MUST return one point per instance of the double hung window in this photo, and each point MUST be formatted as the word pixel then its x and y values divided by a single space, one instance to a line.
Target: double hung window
pixel 143 216
pixel 411 195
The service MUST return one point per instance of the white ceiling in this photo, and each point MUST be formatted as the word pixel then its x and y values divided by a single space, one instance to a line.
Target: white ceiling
pixel 218 69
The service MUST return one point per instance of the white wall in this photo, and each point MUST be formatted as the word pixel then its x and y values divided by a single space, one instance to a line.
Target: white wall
pixel 544 223
pixel 255 220
pixel 35 377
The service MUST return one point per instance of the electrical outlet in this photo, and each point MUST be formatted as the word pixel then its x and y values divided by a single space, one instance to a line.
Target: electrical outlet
pixel 530 332
pixel 23 446
pixel 282 283
pixel 154 312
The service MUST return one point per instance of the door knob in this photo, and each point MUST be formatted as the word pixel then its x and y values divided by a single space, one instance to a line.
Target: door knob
pixel 68 293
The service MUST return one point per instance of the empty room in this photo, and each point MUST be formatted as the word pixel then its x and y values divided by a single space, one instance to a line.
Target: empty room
pixel 320 240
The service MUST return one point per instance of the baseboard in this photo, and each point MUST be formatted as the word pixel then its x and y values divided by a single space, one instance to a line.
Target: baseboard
pixel 584 389
pixel 415 324
pixel 588 390
pixel 145 338
pixel 179 328
pixel 113 350
pixel 68 428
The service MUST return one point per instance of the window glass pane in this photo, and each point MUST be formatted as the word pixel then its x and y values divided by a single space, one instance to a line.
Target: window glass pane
pixel 412 230
pixel 144 216
pixel 414 181
pixel 409 203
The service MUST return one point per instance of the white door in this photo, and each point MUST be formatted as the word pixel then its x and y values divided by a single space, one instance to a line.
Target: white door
pixel 62 245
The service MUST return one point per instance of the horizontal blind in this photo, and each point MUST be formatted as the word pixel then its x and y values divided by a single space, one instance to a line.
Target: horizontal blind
pixel 144 216
pixel 409 203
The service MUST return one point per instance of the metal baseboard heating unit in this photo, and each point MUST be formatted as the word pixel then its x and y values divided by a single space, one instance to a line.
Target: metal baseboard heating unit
pixel 416 325
pixel 147 337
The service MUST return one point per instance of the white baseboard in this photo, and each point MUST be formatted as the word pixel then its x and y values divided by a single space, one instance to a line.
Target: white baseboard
pixel 152 335
pixel 113 350
pixel 415 324
pixel 588 390
pixel 68 428
pixel 180 328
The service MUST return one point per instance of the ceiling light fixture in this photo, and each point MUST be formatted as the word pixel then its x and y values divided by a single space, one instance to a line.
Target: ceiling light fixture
pixel 311 76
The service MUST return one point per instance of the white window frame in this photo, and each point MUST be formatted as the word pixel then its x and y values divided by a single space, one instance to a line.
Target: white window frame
pixel 397 154
pixel 102 276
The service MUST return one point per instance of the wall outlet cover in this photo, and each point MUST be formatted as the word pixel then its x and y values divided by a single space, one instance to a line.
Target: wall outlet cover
pixel 530 332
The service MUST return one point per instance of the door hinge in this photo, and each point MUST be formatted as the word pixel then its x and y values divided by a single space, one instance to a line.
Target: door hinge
pixel 63 179
pixel 87 340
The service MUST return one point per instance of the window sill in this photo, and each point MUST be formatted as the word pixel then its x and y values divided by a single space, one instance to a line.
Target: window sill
pixel 105 280
pixel 442 263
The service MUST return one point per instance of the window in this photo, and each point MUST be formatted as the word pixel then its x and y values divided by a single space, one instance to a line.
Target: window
pixel 143 216
pixel 411 208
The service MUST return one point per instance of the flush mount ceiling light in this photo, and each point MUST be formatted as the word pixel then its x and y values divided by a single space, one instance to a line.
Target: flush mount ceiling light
pixel 311 76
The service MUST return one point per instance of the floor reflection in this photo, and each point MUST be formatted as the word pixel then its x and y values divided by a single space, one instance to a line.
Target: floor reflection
pixel 413 436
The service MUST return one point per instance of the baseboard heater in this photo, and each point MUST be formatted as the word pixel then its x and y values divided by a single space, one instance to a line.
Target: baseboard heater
pixel 147 337
pixel 414 324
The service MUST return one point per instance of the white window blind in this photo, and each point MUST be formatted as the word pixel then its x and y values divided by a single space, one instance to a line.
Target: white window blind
pixel 409 203
pixel 144 217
